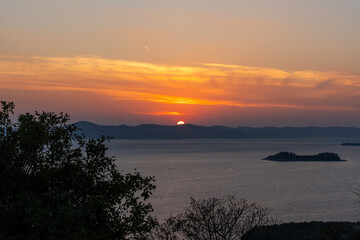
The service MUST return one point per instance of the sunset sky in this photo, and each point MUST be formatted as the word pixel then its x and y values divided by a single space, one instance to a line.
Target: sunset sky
pixel 206 62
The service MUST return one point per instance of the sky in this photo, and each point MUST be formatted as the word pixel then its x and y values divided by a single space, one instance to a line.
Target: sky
pixel 207 62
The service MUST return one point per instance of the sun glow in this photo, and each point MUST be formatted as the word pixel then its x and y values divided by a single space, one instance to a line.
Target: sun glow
pixel 159 87
pixel 180 123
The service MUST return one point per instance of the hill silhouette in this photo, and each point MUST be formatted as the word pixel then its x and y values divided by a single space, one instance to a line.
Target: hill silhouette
pixel 153 131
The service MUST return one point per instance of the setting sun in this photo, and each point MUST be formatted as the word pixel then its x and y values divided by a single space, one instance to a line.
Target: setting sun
pixel 180 123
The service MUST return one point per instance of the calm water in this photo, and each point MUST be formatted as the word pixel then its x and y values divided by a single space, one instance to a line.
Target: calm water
pixel 297 191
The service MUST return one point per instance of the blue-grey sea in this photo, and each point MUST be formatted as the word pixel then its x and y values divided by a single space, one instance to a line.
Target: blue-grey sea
pixel 201 168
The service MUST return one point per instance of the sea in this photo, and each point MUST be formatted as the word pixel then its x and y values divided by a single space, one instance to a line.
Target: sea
pixel 203 168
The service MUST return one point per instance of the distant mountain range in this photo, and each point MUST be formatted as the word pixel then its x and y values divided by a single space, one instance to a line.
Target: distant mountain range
pixel 152 131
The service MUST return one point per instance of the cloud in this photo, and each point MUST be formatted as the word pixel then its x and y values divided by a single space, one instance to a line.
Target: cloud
pixel 162 113
pixel 208 84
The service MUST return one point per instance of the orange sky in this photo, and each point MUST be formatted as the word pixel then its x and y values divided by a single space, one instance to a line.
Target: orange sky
pixel 255 63
pixel 143 92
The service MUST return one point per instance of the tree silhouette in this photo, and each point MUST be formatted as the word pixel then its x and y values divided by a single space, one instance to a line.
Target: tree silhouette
pixel 227 218
pixel 54 184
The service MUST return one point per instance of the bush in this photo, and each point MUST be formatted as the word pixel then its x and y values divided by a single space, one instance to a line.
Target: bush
pixel 227 218
pixel 54 184
pixel 306 231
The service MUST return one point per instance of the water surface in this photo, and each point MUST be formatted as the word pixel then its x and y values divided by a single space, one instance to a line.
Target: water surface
pixel 295 191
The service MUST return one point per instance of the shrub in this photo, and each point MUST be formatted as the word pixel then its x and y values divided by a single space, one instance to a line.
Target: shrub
pixel 54 184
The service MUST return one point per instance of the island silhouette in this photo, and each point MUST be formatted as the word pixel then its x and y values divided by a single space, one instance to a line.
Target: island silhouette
pixel 350 144
pixel 292 157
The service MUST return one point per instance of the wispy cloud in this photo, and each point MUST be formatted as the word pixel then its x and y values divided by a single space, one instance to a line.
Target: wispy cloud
pixel 162 113
pixel 207 84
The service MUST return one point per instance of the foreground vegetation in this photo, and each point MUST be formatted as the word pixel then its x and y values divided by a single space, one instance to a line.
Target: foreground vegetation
pixel 306 231
pixel 56 185
pixel 227 218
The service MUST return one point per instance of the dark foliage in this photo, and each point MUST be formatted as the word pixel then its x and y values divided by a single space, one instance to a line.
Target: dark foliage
pixel 54 184
pixel 227 218
pixel 306 231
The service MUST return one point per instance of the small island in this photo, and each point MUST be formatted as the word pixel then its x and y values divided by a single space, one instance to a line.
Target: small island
pixel 350 144
pixel 292 157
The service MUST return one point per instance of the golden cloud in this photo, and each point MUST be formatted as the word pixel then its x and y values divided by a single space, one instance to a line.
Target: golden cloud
pixel 207 84
pixel 162 113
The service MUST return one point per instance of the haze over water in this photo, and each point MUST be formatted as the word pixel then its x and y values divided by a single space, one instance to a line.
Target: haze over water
pixel 295 191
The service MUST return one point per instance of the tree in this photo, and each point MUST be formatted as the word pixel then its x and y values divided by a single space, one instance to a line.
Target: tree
pixel 55 184
pixel 227 218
